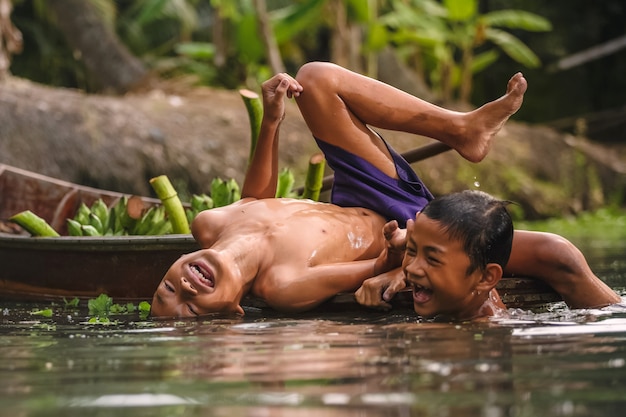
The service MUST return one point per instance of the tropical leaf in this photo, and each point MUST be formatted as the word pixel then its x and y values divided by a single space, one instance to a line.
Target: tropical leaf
pixel 406 16
pixel 513 47
pixel 425 7
pixel 150 10
pixel 377 37
pixel 423 39
pixel 359 10
pixel 484 60
pixel 196 50
pixel 461 10
pixel 517 19
pixel 249 45
pixel 179 10
pixel 291 20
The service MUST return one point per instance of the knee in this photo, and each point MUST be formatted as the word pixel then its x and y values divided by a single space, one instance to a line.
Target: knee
pixel 316 74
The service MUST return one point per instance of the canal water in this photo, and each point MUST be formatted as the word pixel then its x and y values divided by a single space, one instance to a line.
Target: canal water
pixel 552 362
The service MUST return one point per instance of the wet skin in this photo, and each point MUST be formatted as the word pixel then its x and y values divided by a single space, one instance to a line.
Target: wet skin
pixel 436 268
pixel 294 254
pixel 189 287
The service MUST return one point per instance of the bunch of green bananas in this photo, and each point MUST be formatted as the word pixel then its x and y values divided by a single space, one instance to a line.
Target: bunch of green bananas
pixel 100 220
pixel 223 193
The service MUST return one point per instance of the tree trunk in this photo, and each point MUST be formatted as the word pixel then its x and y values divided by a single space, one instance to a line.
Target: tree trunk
pixel 340 39
pixel 113 67
pixel 219 39
pixel 10 37
pixel 267 36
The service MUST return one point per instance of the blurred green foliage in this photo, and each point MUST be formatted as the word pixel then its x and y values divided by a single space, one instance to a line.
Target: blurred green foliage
pixel 218 42
pixel 607 223
pixel 448 42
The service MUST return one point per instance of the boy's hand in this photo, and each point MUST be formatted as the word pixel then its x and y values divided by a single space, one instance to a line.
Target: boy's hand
pixel 391 257
pixel 376 292
pixel 274 92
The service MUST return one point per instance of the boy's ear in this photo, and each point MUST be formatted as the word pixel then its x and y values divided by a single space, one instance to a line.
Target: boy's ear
pixel 490 277
pixel 238 310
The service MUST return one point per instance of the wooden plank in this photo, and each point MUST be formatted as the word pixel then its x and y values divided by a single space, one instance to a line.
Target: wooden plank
pixel 525 293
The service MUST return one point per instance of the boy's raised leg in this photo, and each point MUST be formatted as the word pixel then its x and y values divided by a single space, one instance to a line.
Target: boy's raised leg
pixel 339 104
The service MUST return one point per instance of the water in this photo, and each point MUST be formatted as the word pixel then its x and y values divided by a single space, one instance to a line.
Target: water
pixel 554 362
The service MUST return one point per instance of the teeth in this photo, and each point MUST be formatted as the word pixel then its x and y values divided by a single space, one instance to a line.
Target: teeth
pixel 199 272
pixel 196 269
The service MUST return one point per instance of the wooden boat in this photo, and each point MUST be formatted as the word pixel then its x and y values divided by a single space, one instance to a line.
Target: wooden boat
pixel 126 268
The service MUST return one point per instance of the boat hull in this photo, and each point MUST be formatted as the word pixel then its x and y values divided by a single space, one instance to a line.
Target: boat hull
pixel 125 268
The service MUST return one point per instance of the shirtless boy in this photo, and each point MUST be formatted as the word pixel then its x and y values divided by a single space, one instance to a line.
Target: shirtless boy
pixel 456 251
pixel 296 254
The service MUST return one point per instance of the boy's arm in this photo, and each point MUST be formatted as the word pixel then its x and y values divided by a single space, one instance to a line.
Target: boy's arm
pixel 262 173
pixel 377 292
pixel 289 290
pixel 560 264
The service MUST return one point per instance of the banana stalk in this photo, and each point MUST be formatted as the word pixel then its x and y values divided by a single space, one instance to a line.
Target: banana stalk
pixel 174 208
pixel 314 177
pixel 33 224
pixel 285 183
pixel 254 106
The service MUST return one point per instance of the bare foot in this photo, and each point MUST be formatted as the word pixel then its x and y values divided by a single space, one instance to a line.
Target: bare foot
pixel 484 122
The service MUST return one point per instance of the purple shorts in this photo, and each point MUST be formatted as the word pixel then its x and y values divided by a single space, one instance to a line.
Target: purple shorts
pixel 358 183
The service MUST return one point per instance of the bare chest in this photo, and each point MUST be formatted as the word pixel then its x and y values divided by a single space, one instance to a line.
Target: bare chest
pixel 297 232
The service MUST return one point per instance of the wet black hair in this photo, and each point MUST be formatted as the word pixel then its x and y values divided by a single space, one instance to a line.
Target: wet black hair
pixel 480 221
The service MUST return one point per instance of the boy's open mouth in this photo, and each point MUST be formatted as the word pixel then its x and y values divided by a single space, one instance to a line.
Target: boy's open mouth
pixel 203 276
pixel 421 294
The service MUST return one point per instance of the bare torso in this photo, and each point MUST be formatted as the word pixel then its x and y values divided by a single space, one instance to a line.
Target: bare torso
pixel 282 241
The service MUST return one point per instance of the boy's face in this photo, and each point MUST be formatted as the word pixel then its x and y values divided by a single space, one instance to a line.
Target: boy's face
pixel 436 267
pixel 197 283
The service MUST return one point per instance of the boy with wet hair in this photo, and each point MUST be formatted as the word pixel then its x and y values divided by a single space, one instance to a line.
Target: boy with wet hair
pixel 478 220
pixel 456 251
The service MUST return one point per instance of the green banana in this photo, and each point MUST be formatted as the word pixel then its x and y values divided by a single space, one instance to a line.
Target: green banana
pixel 200 202
pixel 143 224
pixel 127 223
pixel 82 214
pixel 224 193
pixel 74 228
pixel 95 221
pixel 101 210
pixel 164 227
pixel 89 230
pixel 115 217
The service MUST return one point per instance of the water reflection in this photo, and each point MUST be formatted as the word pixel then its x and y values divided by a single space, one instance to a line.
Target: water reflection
pixel 554 362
